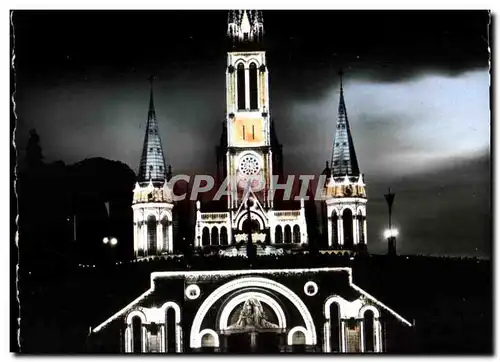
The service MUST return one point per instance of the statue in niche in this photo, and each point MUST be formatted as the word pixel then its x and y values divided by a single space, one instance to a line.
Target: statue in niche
pixel 252 315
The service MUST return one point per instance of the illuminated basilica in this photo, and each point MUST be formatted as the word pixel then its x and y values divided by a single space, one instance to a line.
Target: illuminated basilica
pixel 266 310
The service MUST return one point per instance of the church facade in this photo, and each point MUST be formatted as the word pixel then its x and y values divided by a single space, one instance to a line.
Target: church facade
pixel 243 311
pixel 251 310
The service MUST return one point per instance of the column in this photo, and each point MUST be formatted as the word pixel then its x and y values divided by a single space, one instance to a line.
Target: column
pixel 364 230
pixel 229 233
pixel 145 238
pixel 159 237
pixel 340 225
pixel 362 331
pixel 144 339
pixel 330 231
pixel 128 339
pixel 135 238
pixel 343 341
pixel 378 335
pixel 247 88
pixel 170 230
pixel 355 236
pixel 162 340
pixel 326 337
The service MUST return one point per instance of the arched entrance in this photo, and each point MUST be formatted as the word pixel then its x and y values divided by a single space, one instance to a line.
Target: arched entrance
pixel 252 321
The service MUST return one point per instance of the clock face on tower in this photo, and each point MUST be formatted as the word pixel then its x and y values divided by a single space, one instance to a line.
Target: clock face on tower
pixel 248 131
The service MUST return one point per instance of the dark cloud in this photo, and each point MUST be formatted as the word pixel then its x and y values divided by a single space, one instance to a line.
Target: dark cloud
pixel 446 211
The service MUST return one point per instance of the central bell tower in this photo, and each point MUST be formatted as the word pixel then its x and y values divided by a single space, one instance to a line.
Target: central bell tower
pixel 249 154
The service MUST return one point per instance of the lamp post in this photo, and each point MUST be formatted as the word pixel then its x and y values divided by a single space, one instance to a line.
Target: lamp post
pixel 111 242
pixel 390 234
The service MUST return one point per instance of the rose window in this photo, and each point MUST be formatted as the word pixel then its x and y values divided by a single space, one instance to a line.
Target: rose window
pixel 249 165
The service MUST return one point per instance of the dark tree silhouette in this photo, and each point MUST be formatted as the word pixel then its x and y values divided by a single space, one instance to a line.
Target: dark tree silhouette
pixel 34 156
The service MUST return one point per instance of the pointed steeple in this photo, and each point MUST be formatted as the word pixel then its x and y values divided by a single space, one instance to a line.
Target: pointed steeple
pixel 152 166
pixel 344 161
pixel 245 28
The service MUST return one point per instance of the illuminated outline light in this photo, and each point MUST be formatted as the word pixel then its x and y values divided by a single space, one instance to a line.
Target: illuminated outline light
pixel 157 315
pixel 225 273
pixel 192 288
pixel 261 297
pixel 311 284
pixel 195 337
pixel 289 339
pixel 213 334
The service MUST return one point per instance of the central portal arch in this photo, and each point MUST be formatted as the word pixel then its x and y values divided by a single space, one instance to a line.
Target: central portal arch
pixel 241 283
pixel 261 297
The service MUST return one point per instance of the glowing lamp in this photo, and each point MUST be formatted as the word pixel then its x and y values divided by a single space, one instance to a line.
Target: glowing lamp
pixel 114 241
pixel 105 240
pixel 390 233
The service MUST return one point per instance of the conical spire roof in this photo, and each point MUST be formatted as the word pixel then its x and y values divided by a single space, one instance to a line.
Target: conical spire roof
pixel 152 166
pixel 344 161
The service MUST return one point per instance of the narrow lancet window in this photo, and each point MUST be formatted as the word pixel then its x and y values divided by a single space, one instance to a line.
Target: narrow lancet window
pixel 253 87
pixel 240 79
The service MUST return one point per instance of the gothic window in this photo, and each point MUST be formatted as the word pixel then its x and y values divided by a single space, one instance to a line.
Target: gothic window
pixel 215 236
pixel 164 229
pixel 253 77
pixel 336 163
pixel 240 79
pixel 151 149
pixel 205 239
pixel 361 228
pixel 353 336
pixel 161 168
pixel 347 226
pixel 345 162
pixel 152 235
pixel 136 334
pixel 278 235
pixel 223 235
pixel 288 234
pixel 335 229
pixel 369 331
pixel 335 335
pixel 170 330
pixel 296 234
pixel 245 36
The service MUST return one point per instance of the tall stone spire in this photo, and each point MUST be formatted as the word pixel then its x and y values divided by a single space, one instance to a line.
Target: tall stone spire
pixel 152 166
pixel 344 161
pixel 245 27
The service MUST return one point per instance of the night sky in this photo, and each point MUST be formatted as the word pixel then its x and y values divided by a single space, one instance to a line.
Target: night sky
pixel 416 89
